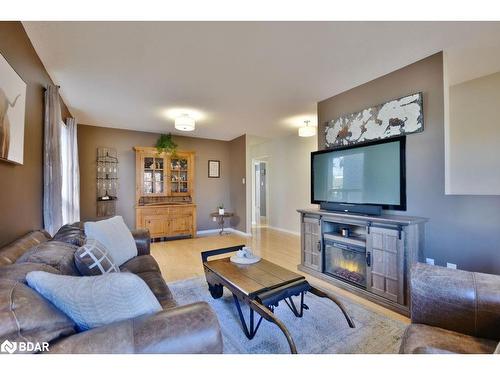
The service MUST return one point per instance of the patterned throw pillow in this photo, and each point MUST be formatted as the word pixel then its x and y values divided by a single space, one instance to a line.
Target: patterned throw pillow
pixel 93 259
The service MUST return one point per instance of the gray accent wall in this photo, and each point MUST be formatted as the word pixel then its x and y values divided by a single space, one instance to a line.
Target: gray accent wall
pixel 237 188
pixel 208 192
pixel 21 186
pixel 463 229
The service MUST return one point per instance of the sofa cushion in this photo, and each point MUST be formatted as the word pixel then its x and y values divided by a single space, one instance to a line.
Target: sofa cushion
pixel 11 252
pixel 71 233
pixel 26 316
pixel 141 263
pixel 95 301
pixel 114 234
pixel 92 259
pixel 159 287
pixel 190 329
pixel 421 338
pixel 18 271
pixel 54 253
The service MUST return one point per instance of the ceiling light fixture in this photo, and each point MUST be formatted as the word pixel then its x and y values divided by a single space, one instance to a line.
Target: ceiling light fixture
pixel 185 123
pixel 307 130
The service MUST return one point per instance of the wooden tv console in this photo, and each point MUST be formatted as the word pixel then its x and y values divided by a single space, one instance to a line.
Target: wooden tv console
pixel 387 244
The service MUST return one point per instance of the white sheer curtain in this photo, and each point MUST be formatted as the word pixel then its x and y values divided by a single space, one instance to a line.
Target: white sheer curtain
pixel 61 177
pixel 70 173
pixel 52 166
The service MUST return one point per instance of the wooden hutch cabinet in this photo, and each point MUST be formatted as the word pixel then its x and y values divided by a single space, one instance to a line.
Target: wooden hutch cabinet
pixel 165 193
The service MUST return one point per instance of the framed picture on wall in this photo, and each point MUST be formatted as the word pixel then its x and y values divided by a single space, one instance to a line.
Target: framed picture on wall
pixel 214 168
pixel 12 106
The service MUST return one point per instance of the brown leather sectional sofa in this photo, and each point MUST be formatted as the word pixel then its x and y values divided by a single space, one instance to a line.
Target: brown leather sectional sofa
pixel 177 329
pixel 452 311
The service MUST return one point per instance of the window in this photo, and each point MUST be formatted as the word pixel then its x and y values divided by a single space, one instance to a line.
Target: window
pixel 70 189
pixel 64 173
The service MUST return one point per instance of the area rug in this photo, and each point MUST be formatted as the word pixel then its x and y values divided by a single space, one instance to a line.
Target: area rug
pixel 321 330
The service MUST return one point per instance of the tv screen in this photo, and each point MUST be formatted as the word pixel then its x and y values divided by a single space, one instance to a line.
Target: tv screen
pixel 363 174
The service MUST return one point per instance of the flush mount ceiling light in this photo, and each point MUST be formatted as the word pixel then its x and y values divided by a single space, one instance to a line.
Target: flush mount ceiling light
pixel 307 130
pixel 185 123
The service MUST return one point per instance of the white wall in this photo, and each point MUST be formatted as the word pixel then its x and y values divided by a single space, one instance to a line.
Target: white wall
pixel 288 176
pixel 473 152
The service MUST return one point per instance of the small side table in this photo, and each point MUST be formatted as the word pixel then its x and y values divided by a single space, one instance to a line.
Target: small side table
pixel 220 220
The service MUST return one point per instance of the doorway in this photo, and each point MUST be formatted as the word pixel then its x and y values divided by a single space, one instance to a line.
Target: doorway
pixel 260 195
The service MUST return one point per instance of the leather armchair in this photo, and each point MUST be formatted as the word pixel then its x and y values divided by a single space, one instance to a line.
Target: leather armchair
pixel 452 311
pixel 190 329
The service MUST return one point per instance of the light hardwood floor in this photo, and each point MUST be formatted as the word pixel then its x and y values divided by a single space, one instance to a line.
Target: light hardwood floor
pixel 181 259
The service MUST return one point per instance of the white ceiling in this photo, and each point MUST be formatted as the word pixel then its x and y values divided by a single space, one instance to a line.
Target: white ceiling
pixel 260 78
pixel 473 61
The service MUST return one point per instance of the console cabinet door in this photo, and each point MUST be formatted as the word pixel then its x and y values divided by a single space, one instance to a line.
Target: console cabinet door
pixel 385 273
pixel 311 243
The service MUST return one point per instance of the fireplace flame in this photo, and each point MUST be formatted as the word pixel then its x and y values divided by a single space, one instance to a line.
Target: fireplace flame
pixel 349 265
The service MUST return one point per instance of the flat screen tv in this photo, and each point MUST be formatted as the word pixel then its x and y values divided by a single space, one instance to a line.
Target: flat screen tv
pixel 369 174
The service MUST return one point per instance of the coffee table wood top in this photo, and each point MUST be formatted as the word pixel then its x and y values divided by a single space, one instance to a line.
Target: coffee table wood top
pixel 252 279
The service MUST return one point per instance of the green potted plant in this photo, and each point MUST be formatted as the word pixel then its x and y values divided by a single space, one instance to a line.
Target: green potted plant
pixel 221 209
pixel 165 144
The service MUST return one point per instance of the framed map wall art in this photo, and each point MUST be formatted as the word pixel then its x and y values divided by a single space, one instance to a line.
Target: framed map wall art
pixel 394 118
pixel 12 108
pixel 214 168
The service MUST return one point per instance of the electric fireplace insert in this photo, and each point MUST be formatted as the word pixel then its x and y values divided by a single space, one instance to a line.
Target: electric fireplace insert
pixel 346 261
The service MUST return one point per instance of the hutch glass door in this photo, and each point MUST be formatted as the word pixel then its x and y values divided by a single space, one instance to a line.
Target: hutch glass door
pixel 153 176
pixel 179 180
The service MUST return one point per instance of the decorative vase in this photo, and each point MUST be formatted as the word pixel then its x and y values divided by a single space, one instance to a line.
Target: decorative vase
pixel 221 211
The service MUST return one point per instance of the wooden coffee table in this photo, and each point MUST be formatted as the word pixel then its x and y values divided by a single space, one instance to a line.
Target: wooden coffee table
pixel 261 286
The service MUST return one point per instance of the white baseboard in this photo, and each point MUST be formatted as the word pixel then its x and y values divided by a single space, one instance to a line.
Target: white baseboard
pixel 244 234
pixel 284 230
pixel 208 232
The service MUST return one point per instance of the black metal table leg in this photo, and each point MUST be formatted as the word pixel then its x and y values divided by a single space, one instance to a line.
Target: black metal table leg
pixel 321 294
pixel 249 332
pixel 267 314
pixel 299 313
pixel 264 313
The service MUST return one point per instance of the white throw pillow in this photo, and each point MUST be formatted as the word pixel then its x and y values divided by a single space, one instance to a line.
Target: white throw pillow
pixel 94 301
pixel 115 236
